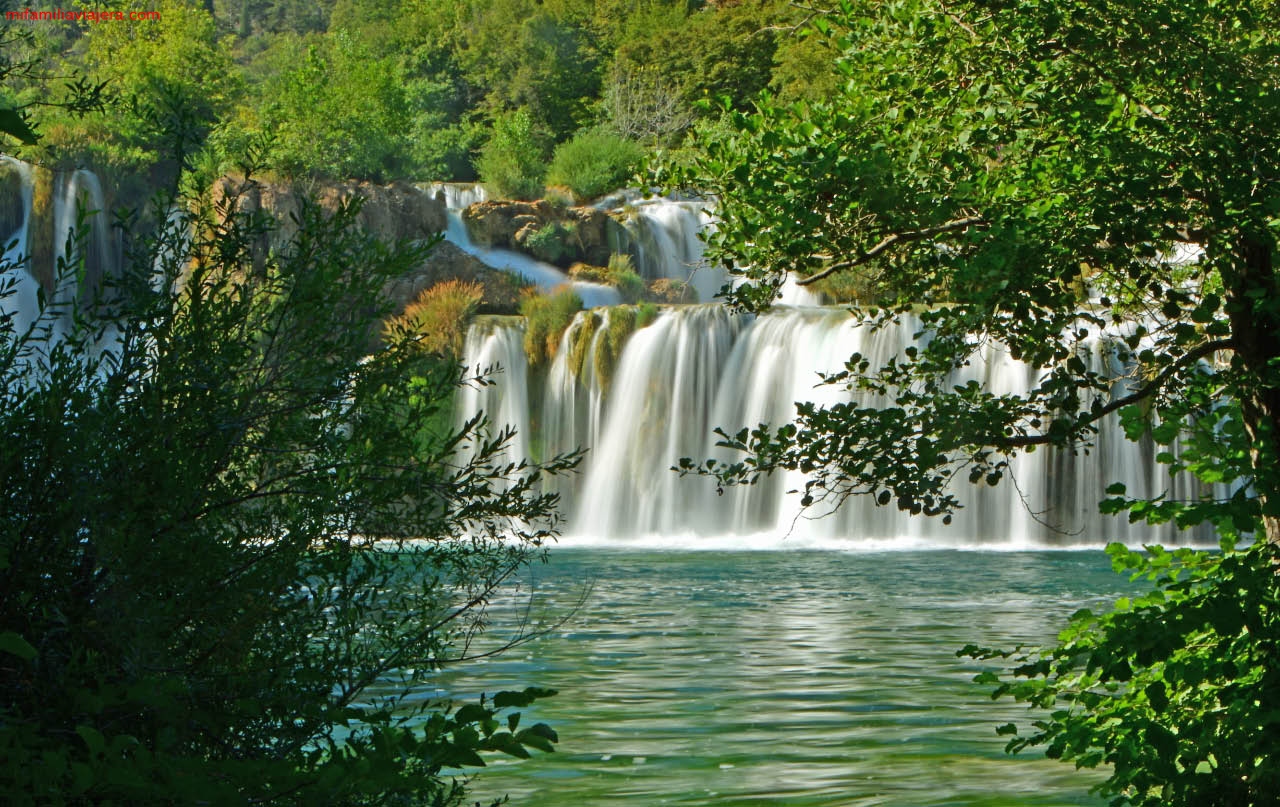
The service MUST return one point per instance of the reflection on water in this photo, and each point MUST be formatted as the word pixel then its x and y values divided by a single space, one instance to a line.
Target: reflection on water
pixel 790 678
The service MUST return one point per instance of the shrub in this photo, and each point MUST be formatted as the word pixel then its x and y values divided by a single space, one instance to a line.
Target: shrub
pixel 594 162
pixel 623 277
pixel 546 319
pixel 547 243
pixel 513 161
pixel 646 313
pixel 437 320
pixel 215 537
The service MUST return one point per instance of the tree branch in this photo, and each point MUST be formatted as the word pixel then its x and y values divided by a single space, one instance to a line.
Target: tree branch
pixel 1145 391
pixel 891 240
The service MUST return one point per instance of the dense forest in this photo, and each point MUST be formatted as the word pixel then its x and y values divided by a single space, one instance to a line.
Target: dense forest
pixel 514 92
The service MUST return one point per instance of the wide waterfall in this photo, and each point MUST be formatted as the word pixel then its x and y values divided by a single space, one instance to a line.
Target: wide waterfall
pixel 698 367
pixel 638 406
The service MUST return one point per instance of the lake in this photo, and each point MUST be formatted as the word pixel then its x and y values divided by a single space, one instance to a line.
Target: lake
pixel 808 678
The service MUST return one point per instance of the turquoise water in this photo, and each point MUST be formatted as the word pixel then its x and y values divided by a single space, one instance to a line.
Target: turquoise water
pixel 789 678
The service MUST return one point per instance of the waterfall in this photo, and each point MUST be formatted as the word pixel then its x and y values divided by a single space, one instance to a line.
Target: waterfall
pixel 494 349
pixel 698 367
pixel 19 289
pixel 59 244
pixel 545 276
pixel 456 195
pixel 666 242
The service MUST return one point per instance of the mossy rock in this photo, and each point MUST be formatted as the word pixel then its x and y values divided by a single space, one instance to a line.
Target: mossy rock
pixel 588 273
pixel 40 244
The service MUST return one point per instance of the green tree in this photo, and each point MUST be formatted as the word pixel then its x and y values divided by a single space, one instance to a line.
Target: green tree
pixel 990 163
pixel 513 163
pixel 336 110
pixel 233 546
pixel 24 80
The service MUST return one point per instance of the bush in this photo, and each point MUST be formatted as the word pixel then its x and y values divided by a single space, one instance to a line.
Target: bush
pixel 547 317
pixel 547 243
pixel 623 277
pixel 646 314
pixel 215 537
pixel 594 162
pixel 1177 690
pixel 513 161
pixel 437 320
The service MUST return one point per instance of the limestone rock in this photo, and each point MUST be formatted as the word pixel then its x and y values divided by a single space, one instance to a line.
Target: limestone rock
pixel 552 233
pixel 394 212
pixel 447 261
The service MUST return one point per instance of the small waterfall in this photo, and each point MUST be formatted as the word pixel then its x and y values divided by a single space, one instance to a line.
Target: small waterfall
pixel 19 288
pixel 58 242
pixel 666 243
pixel 82 204
pixel 494 349
pixel 456 195
pixel 545 276
pixel 698 367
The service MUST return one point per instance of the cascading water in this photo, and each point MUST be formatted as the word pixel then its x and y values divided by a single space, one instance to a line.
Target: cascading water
pixel 666 242
pixel 699 367
pixel 545 276
pixel 64 248
pixel 19 289
pixel 456 195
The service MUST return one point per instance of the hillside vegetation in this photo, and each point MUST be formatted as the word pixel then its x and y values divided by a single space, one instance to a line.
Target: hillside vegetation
pixel 418 89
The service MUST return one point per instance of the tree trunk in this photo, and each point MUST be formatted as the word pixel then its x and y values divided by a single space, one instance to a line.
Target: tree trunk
pixel 1253 306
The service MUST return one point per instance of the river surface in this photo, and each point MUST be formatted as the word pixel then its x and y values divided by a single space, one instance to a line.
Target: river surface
pixel 781 677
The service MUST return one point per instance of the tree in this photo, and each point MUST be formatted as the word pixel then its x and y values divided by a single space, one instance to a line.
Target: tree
pixel 1018 172
pixel 23 85
pixel 336 110
pixel 233 545
pixel 513 162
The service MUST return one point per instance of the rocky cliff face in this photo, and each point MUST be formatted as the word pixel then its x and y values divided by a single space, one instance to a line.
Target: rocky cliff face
pixel 448 262
pixel 394 212
pixel 559 235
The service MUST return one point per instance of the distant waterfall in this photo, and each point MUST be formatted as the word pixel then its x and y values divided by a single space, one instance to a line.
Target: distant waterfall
pixel 698 367
pixel 62 246
pixel 545 276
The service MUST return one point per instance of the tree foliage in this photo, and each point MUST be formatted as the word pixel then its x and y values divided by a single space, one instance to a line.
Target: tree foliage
pixel 1017 175
pixel 980 165
pixel 1176 690
pixel 234 547
pixel 513 163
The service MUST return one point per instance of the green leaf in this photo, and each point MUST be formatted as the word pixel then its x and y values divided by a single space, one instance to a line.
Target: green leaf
pixel 14 644
pixel 92 738
pixel 13 124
